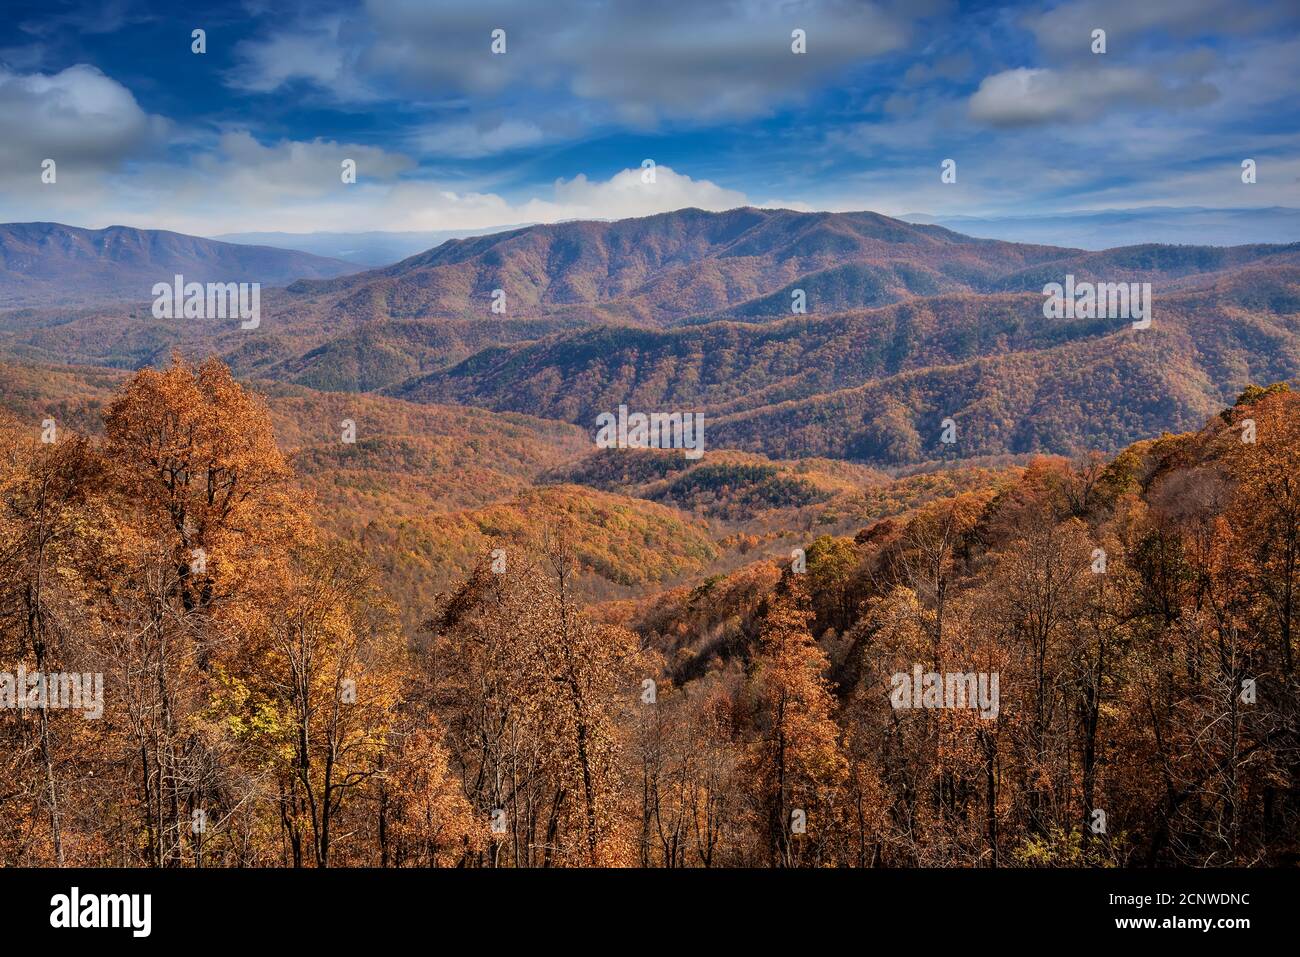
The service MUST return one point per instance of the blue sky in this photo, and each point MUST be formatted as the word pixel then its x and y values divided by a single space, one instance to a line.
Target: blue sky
pixel 446 134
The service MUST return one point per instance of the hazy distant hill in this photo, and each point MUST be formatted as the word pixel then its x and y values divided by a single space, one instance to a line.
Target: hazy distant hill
pixel 1103 229
pixel 49 264
pixel 1085 229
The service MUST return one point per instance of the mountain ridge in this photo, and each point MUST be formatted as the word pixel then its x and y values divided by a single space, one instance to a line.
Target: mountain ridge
pixel 47 263
pixel 693 310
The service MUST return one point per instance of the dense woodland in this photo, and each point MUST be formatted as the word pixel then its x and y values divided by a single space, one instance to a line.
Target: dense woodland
pixel 268 703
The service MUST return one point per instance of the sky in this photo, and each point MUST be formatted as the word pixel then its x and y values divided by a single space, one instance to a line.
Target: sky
pixel 447 134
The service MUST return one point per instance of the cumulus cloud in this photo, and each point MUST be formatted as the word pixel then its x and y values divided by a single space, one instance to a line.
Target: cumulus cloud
pixel 626 194
pixel 240 184
pixel 80 118
pixel 251 170
pixel 414 206
pixel 91 126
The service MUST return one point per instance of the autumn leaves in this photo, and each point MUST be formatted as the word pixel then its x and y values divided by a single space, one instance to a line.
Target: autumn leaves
pixel 264 705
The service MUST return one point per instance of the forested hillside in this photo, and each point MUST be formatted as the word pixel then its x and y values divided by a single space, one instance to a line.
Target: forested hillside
pixel 267 701
pixel 836 335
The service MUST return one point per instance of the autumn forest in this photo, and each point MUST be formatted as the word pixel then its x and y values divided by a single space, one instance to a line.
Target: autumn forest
pixel 271 698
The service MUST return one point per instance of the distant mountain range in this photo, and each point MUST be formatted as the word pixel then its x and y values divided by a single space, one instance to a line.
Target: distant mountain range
pixel 360 249
pixel 685 266
pixel 49 264
pixel 1105 229
pixel 906 325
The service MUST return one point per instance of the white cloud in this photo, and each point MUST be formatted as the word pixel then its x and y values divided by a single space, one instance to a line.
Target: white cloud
pixel 472 140
pixel 1066 30
pixel 424 206
pixel 316 52
pixel 625 194
pixel 310 169
pixel 243 185
pixel 639 61
pixel 1024 97
pixel 80 118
